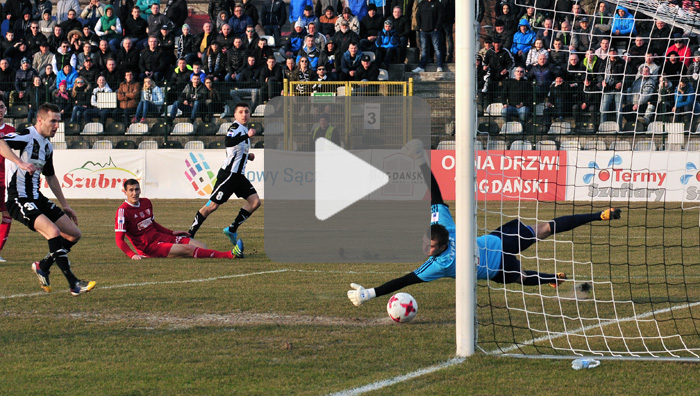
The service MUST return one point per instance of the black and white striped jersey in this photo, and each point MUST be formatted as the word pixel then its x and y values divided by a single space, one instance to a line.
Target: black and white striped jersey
pixel 34 149
pixel 237 148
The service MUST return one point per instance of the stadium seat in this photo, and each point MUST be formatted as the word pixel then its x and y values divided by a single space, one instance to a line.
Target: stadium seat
pixel 223 128
pixel 93 128
pixel 159 128
pixel 206 129
pixel 693 145
pixel 172 144
pixel 183 129
pixel 79 144
pixel 71 129
pixel 340 91
pixel 645 145
pixel 383 75
pixel 478 146
pixel 621 145
pixel 148 145
pixel 259 111
pixel 125 144
pixel 494 109
pixel 539 110
pixel 488 127
pixel 194 145
pixel 115 128
pixel 674 127
pixel 259 144
pixel 521 145
pixel 17 111
pixel 495 145
pixel 59 145
pixel 546 145
pixel 102 145
pixel 215 145
pixel 280 58
pixel 512 128
pixel 446 145
pixel 559 128
pixel 570 145
pixel 24 125
pixel 655 127
pixel 258 126
pixel 609 127
pixel 595 145
pixel 270 41
pixel 137 128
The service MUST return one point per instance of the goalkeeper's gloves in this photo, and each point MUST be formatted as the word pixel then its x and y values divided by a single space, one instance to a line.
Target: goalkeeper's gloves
pixel 360 295
pixel 414 149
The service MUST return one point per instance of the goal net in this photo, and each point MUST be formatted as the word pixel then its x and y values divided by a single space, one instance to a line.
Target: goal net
pixel 633 284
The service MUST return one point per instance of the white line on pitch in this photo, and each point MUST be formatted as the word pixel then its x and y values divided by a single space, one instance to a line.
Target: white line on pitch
pixel 397 379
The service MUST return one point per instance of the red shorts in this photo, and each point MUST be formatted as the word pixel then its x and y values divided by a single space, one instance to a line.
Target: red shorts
pixel 3 206
pixel 161 248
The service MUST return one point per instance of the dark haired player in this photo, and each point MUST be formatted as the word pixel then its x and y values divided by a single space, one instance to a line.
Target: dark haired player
pixel 135 220
pixel 6 219
pixel 497 251
pixel 29 206
pixel 231 178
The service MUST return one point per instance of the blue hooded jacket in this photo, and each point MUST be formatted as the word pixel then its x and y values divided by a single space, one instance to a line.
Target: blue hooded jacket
pixel 296 9
pixel 523 41
pixel 388 39
pixel 624 24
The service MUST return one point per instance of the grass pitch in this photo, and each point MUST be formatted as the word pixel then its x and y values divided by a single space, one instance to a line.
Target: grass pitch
pixel 250 327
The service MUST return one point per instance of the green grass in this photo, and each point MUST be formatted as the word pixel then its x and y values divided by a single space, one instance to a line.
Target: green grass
pixel 210 327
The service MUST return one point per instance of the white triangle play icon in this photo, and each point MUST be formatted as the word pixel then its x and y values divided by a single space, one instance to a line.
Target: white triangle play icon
pixel 342 179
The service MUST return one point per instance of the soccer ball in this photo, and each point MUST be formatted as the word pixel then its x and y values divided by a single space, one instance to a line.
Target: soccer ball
pixel 402 307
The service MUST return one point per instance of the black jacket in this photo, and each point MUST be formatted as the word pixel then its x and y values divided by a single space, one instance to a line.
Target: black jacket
pixel 429 16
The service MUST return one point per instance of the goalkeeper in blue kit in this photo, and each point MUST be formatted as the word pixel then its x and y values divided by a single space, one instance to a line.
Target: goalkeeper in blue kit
pixel 498 250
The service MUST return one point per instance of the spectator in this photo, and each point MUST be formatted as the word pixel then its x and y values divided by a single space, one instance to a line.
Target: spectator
pixel 136 28
pixel 370 26
pixel 329 60
pixel 157 20
pixel 95 109
pixel 307 17
pixel 343 38
pixel 62 99
pixel 522 42
pixel 80 96
pixel 16 54
pixel 531 15
pixel 112 75
pixel 215 8
pixel 23 80
pixel 683 52
pixel 386 45
pixel 350 62
pixel 296 40
pixel 575 73
pixel 602 51
pixel 37 95
pixel 48 79
pixel 508 17
pixel 109 28
pixel 402 26
pixel 128 97
pixel 239 21
pixel 42 58
pixel 319 39
pixel 486 46
pixel 150 61
pixel 128 57
pixel 612 87
pixel 262 52
pixel 448 44
pixel 574 18
pixel 497 64
pixel 235 60
pixel 176 11
pixel 225 38
pixel 89 72
pixel 367 71
pixel 659 38
pixel 221 21
pixel 103 54
pixel 7 79
pixel 558 103
pixel 685 107
pixel 46 24
pixel 542 75
pixel 271 78
pixel 250 40
pixel 92 13
pixel 635 55
pixel 653 67
pixel 347 16
pixel 357 7
pixel 190 101
pixel 602 22
pixel 322 6
pixel 64 57
pixel 289 68
pixel 518 97
pixel 588 105
pixel 203 39
pixel 274 17
pixel 622 26
pixel 212 100
pixel 304 73
pixel 90 37
pixel 197 71
pixel 565 34
pixel 54 41
pixel 150 103
pixel 21 26
pixel 558 56
pixel 640 98
pixel 534 53
pixel 252 11
pixel 546 33
pixel 325 130
pixel 667 98
pixel 34 37
pixel 581 41
pixel 327 21
pixel 310 52
pixel 74 38
pixel 179 79
pixel 166 45
pixel 322 76
pixel 62 8
pixel 67 75
pixel 693 71
pixel 429 18
pixel 214 63
pixel 86 53
pixel 673 68
pixel 296 9
pixel 72 23
pixel 185 45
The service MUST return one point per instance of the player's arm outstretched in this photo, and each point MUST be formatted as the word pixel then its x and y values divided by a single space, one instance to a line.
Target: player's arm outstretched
pixel 121 244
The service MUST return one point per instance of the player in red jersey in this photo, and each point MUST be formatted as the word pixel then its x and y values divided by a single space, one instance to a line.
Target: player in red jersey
pixel 6 219
pixel 135 220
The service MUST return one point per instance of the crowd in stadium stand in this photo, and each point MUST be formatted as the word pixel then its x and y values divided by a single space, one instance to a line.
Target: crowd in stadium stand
pixel 62 52
pixel 589 60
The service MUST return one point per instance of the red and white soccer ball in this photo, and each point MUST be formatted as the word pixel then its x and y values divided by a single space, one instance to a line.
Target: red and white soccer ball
pixel 402 307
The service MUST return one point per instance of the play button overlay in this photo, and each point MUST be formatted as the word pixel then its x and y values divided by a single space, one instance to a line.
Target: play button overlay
pixel 342 179
pixel 338 188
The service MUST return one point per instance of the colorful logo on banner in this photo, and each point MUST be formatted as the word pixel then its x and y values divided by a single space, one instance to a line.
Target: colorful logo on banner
pixel 199 174
pixel 694 173
pixel 615 173
pixel 97 175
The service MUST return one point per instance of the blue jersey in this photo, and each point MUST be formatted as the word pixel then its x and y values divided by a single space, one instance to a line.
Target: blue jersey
pixel 436 267
pixel 490 247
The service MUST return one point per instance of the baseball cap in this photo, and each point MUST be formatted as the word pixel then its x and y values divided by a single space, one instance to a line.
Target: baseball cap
pixel 583 19
pixel 165 27
pixel 25 60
